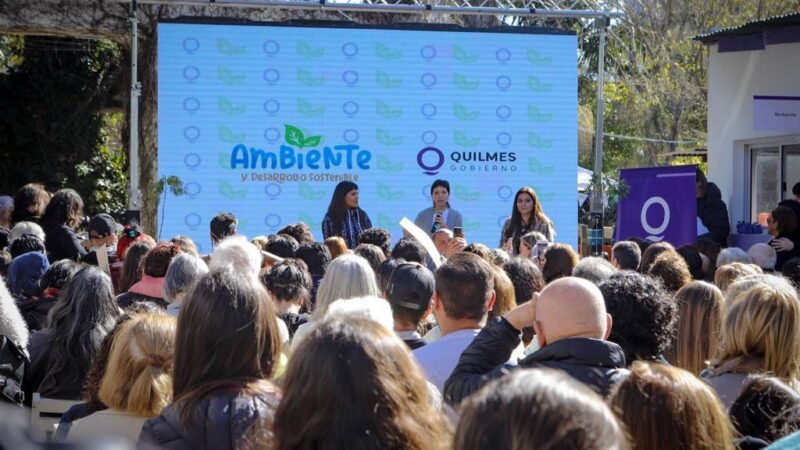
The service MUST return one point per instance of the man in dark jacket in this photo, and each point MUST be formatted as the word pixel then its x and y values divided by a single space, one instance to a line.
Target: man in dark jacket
pixel 712 211
pixel 571 324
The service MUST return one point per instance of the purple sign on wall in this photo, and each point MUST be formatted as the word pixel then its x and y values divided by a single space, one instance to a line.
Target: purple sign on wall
pixel 660 205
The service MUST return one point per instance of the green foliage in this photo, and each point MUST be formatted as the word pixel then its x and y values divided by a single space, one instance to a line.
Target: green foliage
pixel 56 128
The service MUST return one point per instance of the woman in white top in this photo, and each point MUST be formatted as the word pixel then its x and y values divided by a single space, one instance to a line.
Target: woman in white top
pixel 137 384
pixel 440 215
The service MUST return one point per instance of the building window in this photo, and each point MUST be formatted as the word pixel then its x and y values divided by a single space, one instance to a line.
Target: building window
pixel 774 169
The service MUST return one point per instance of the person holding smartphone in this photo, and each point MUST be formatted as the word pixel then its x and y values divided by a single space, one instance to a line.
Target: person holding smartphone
pixel 526 216
pixel 440 215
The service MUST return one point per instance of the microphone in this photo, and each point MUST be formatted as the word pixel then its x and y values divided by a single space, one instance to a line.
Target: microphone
pixel 435 226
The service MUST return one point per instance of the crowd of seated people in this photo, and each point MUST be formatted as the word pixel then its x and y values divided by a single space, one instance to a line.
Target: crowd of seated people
pixel 283 342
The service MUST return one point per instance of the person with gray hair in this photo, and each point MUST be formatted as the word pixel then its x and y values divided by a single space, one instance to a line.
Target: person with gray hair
pixel 184 270
pixel 236 252
pixel 594 269
pixel 626 255
pixel 732 255
pixel 764 256
pixel 23 228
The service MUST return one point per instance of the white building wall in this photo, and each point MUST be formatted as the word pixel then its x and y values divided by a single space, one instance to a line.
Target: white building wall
pixel 733 79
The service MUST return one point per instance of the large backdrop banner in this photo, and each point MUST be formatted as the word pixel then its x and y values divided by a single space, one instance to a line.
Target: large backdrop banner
pixel 660 206
pixel 264 120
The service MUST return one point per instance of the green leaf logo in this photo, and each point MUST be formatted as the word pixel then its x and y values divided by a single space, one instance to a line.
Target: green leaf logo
pixel 305 77
pixel 537 116
pixel 307 109
pixel 386 193
pixel 462 193
pixel 305 50
pixel 461 55
pixel 306 191
pixel 386 222
pixel 227 48
pixel 471 226
pixel 544 196
pixel 461 82
pixel 229 192
pixel 462 113
pixel 228 108
pixel 536 59
pixel 534 140
pixel 537 86
pixel 462 140
pixel 383 52
pixel 534 166
pixel 310 221
pixel 294 135
pixel 385 165
pixel 385 138
pixel 384 80
pixel 226 76
pixel 384 110
pixel 225 134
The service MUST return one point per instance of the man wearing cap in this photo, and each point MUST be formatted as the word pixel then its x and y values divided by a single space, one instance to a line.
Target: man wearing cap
pixel 409 292
pixel 102 231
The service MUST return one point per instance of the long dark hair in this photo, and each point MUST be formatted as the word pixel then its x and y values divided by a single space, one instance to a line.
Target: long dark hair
pixel 65 208
pixel 516 217
pixel 84 313
pixel 337 210
pixel 131 268
pixel 227 334
pixel 373 396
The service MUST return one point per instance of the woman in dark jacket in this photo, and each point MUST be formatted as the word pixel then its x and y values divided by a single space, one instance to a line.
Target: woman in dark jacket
pixel 782 225
pixel 711 210
pixel 62 352
pixel 60 220
pixel 344 217
pixel 227 345
pixel 526 215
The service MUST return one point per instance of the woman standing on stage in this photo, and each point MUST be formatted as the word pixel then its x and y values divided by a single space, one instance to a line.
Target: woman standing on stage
pixel 440 215
pixel 344 217
pixel 526 216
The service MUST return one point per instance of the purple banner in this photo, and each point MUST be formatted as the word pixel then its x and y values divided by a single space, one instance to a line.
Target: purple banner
pixel 660 205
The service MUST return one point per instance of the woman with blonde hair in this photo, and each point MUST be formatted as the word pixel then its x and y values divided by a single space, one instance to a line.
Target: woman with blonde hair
pixel 505 297
pixel 373 397
pixel 729 273
pixel 666 408
pixel 701 307
pixel 761 334
pixel 336 246
pixel 137 383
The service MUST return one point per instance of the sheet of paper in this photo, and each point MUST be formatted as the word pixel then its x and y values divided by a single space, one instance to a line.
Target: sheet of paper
pixel 423 238
pixel 102 258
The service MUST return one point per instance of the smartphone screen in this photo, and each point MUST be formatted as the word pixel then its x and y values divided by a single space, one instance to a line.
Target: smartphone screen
pixel 458 232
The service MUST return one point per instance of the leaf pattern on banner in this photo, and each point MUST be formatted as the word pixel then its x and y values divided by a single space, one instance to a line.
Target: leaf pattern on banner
pixel 228 191
pixel 305 50
pixel 461 55
pixel 294 135
pixel 385 80
pixel 462 140
pixel 537 86
pixel 537 59
pixel 536 167
pixel 310 221
pixel 312 141
pixel 227 48
pixel 386 222
pixel 536 141
pixel 224 161
pixel 225 134
pixel 461 82
pixel 538 116
pixel 306 191
pixel 229 108
pixel 307 109
pixel 386 193
pixel 462 193
pixel 228 77
pixel 304 77
pixel 471 226
pixel 385 165
pixel 383 52
pixel 544 196
pixel 385 138
pixel 384 110
pixel 462 113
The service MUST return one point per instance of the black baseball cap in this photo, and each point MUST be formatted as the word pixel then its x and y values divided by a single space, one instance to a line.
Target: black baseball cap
pixel 102 224
pixel 411 286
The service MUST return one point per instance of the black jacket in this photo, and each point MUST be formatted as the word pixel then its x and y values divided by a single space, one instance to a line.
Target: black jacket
pixel 62 243
pixel 714 214
pixel 65 384
pixel 35 312
pixel 223 419
pixel 596 363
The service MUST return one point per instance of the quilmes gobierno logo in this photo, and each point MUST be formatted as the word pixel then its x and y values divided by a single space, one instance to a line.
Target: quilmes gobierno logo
pixel 300 152
pixel 431 160
pixel 430 155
